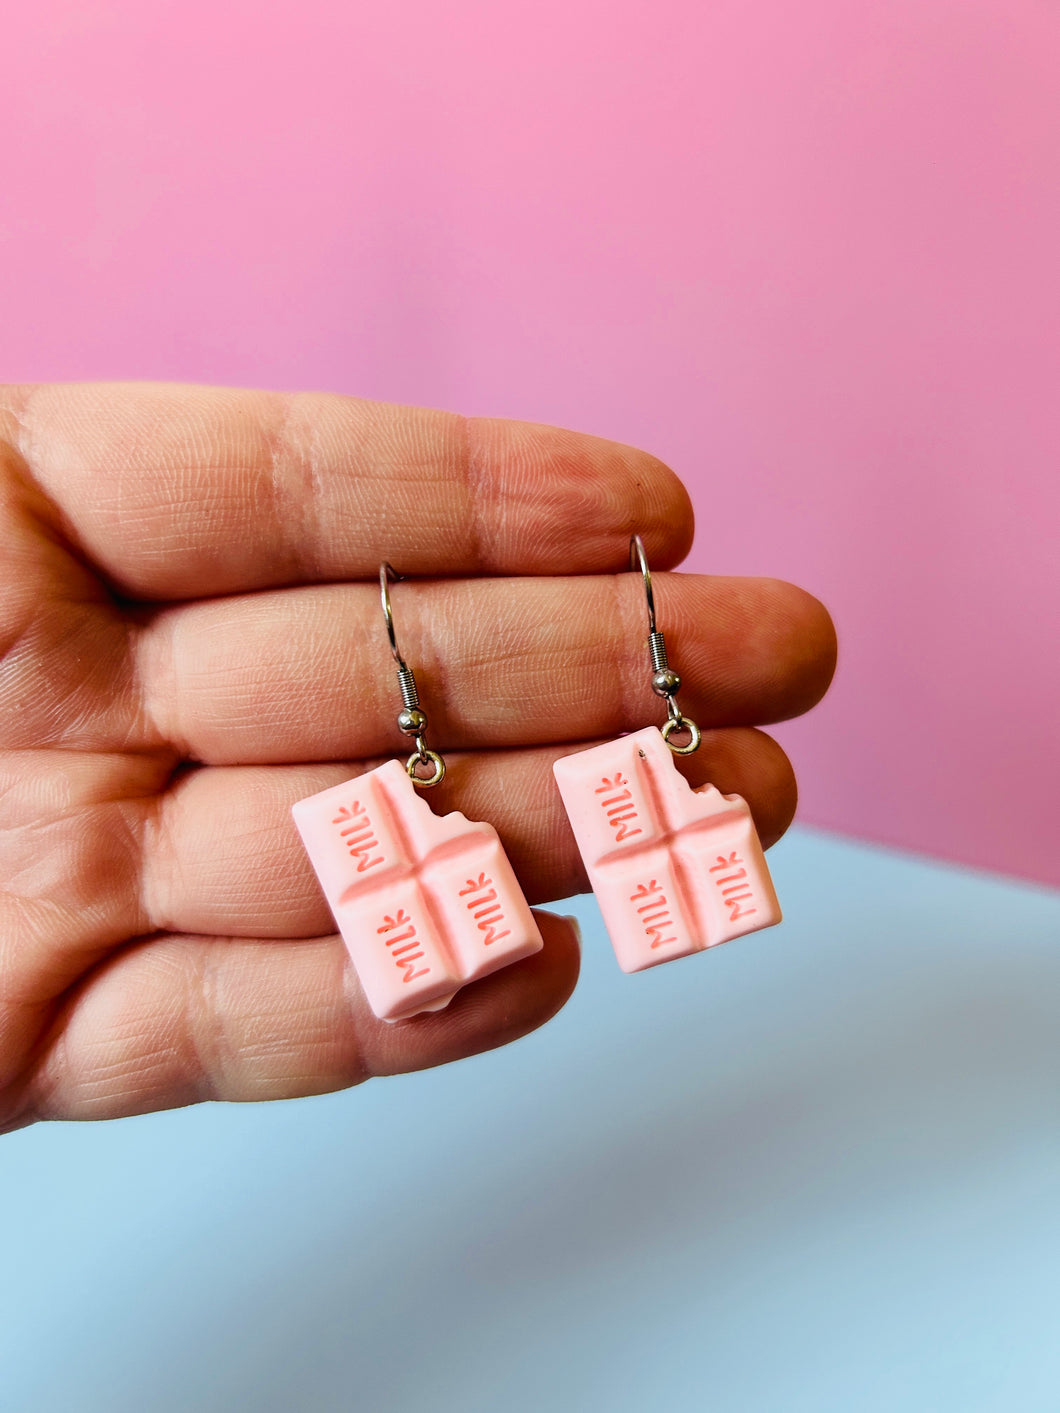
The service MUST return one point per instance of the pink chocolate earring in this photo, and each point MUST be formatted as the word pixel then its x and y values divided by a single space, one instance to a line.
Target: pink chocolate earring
pixel 425 903
pixel 675 870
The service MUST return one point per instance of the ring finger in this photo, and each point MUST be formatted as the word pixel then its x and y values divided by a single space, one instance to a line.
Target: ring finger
pixel 222 856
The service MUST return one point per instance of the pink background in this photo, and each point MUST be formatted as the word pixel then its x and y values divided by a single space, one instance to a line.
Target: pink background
pixel 806 253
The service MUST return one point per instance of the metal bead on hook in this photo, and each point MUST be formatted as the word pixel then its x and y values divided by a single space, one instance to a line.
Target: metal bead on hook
pixel 412 721
pixel 665 682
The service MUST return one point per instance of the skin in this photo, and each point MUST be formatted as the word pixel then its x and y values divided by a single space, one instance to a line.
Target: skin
pixel 191 640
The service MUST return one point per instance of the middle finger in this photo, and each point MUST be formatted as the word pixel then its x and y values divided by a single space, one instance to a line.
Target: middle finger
pixel 306 674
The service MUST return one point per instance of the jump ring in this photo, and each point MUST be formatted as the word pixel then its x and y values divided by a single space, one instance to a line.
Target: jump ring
pixel 682 723
pixel 419 758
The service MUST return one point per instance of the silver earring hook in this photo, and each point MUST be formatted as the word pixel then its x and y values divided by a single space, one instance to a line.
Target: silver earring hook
pixel 665 682
pixel 411 720
pixel 386 573
pixel 639 560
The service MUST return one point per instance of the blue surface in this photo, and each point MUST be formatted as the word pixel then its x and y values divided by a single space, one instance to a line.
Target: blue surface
pixel 818 1169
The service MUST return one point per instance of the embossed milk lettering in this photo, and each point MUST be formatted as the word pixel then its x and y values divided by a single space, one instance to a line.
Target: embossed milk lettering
pixel 403 943
pixel 734 887
pixel 654 913
pixel 485 908
pixel 617 806
pixel 358 835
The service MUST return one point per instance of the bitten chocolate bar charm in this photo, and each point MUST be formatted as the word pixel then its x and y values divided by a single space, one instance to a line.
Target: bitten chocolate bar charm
pixel 675 870
pixel 425 903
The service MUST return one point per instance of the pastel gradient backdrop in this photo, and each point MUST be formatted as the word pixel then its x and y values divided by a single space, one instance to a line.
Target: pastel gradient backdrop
pixel 808 253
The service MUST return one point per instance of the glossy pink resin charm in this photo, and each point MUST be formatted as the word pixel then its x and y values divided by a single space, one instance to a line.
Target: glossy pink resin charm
pixel 675 870
pixel 424 902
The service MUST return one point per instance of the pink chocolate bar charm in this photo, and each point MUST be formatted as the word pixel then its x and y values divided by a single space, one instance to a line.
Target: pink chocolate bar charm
pixel 675 870
pixel 424 902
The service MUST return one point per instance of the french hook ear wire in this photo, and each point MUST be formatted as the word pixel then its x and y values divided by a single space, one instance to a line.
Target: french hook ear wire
pixel 665 682
pixel 386 573
pixel 411 720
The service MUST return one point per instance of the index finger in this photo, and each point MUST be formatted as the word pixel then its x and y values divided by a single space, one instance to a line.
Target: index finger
pixel 179 492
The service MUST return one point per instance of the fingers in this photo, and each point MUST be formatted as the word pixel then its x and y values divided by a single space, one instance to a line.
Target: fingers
pixel 70 870
pixel 179 492
pixel 223 856
pixel 178 1019
pixel 307 674
pixel 64 659
pixel 181 1018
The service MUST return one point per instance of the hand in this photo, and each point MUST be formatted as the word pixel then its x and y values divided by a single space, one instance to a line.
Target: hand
pixel 192 640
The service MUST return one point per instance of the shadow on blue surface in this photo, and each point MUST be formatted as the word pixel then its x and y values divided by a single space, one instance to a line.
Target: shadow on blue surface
pixel 818 1169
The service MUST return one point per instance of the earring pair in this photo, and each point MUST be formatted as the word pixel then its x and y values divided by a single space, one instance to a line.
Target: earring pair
pixel 427 903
